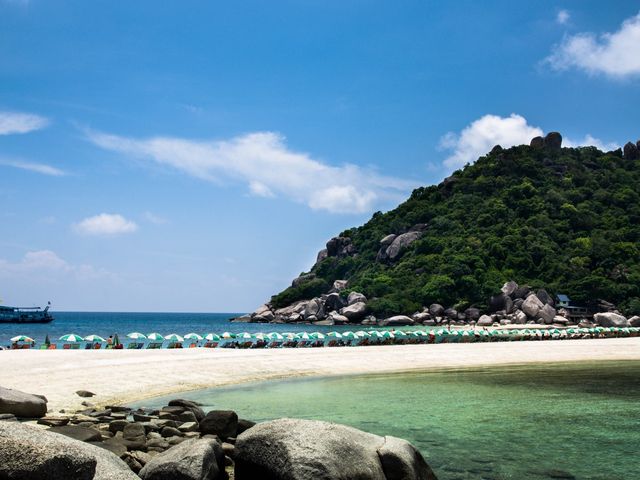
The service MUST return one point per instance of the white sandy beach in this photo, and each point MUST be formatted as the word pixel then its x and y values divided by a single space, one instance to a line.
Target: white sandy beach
pixel 119 376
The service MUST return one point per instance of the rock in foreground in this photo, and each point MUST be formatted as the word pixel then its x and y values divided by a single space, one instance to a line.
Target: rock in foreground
pixel 197 459
pixel 313 450
pixel 21 404
pixel 28 452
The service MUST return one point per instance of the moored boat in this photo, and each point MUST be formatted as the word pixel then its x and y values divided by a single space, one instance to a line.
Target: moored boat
pixel 25 314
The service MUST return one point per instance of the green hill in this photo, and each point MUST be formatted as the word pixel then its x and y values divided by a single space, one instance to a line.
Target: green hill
pixel 567 219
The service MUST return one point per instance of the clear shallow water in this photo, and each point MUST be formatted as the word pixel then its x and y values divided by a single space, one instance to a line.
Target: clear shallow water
pixel 530 422
pixel 109 323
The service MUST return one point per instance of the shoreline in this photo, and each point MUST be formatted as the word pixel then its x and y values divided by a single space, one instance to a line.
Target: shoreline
pixel 127 376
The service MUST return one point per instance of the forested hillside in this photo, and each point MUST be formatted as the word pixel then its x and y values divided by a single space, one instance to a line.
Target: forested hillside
pixel 567 219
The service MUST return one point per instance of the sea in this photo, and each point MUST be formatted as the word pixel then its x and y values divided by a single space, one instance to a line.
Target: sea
pixel 567 421
pixel 122 323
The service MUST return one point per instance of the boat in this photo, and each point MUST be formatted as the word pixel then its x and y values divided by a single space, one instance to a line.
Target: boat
pixel 25 314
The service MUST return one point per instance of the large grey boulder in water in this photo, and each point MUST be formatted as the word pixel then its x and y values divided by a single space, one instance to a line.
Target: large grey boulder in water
pixel 21 404
pixel 610 319
pixel 313 450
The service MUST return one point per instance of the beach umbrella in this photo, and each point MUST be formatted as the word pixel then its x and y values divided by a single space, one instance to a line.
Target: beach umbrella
pixel 362 334
pixel 136 336
pixel 174 337
pixel 116 340
pixel 94 338
pixel 376 334
pixel 47 342
pixel 71 337
pixel 400 334
pixel 260 336
pixel 244 336
pixel 334 335
pixel 274 336
pixel 303 336
pixel 228 335
pixel 212 337
pixel 22 338
pixel 317 335
pixel 193 336
pixel 388 334
pixel 156 337
pixel 349 334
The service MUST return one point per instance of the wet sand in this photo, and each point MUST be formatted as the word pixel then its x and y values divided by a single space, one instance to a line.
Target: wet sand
pixel 121 376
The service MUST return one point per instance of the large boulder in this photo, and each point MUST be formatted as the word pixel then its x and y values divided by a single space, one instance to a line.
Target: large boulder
pixel 340 247
pixel 82 434
pixel 21 404
pixel 634 321
pixel 509 288
pixel 354 312
pixel 400 243
pixel 223 423
pixel 532 306
pixel 388 240
pixel 355 297
pixel 315 308
pixel 307 449
pixel 193 407
pixel 436 310
pixel 545 297
pixel 484 321
pixel 553 141
pixel 333 302
pixel 498 302
pixel 195 459
pixel 547 313
pixel 28 452
pixel 304 278
pixel 631 151
pixel 472 314
pixel 396 321
pixel 610 319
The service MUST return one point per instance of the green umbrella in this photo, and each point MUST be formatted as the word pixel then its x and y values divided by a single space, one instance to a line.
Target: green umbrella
pixel 174 337
pixel 388 334
pixel 47 342
pixel 400 334
pixel 136 336
pixel 334 335
pixel 71 337
pixel 156 337
pixel 212 337
pixel 376 334
pixel 22 338
pixel 228 335
pixel 274 336
pixel 362 334
pixel 244 336
pixel 349 335
pixel 303 336
pixel 317 336
pixel 94 338
pixel 193 336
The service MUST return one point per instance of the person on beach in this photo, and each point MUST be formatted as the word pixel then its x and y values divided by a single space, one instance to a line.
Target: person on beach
pixel 110 341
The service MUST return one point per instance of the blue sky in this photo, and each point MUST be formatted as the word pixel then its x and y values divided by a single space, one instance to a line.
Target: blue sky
pixel 195 156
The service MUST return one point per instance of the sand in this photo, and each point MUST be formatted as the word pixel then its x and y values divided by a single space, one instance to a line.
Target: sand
pixel 121 376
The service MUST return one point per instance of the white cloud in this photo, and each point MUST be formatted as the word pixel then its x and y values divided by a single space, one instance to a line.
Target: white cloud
pixel 563 17
pixel 33 167
pixel 46 262
pixel 105 224
pixel 614 54
pixel 264 162
pixel 155 219
pixel 481 135
pixel 16 122
pixel 590 141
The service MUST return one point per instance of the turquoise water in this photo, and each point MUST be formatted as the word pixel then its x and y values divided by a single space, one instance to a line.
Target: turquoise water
pixel 530 422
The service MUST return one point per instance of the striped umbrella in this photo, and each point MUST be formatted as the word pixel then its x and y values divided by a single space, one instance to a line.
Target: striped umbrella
pixel 227 335
pixel 317 335
pixel 193 336
pixel 136 336
pixel 334 335
pixel 274 336
pixel 349 334
pixel 388 334
pixel 400 334
pixel 303 336
pixel 376 334
pixel 22 338
pixel 156 337
pixel 362 334
pixel 94 338
pixel 71 337
pixel 212 337
pixel 243 336
pixel 174 337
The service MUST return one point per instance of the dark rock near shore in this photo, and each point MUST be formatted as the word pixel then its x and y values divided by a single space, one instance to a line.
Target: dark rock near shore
pixel 21 404
pixel 610 319
pixel 223 423
pixel 305 449
pixel 188 405
pixel 197 459
pixel 85 393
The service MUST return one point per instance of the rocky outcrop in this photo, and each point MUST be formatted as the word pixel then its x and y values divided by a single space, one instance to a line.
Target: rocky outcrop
pixel 306 449
pixel 631 151
pixel 396 321
pixel 610 319
pixel 21 404
pixel 340 247
pixel 392 246
pixel 356 311
pixel 195 459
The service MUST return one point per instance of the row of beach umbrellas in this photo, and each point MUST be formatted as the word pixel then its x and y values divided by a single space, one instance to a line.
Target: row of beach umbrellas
pixel 379 335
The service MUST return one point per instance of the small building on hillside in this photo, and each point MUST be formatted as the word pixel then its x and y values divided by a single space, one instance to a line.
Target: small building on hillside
pixel 563 301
